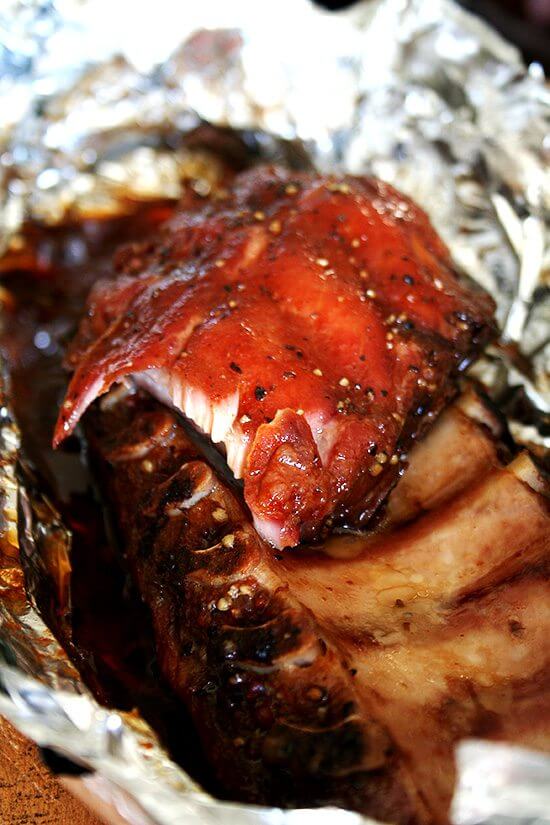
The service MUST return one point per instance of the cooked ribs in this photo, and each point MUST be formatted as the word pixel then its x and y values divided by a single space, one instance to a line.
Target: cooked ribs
pixel 345 674
pixel 313 327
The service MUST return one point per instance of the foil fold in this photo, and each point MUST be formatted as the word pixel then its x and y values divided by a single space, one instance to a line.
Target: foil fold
pixel 495 780
pixel 421 94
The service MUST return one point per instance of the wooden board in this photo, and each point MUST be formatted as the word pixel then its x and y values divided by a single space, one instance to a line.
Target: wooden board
pixel 28 792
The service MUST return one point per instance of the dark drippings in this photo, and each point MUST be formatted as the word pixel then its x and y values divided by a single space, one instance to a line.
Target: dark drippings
pixel 106 629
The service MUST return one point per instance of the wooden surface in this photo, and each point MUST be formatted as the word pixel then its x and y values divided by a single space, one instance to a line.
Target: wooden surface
pixel 29 794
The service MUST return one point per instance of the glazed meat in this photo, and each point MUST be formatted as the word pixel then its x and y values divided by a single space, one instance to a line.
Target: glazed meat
pixel 312 327
pixel 343 675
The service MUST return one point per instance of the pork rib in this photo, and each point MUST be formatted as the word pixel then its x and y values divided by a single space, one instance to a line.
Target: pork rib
pixel 468 439
pixel 346 676
pixel 312 327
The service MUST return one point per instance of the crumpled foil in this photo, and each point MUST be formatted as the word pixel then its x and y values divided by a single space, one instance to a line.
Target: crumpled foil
pixel 95 96
pixel 495 780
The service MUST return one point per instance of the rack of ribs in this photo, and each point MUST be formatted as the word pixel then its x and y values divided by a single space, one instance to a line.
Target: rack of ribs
pixel 312 327
pixel 346 672
pixel 315 330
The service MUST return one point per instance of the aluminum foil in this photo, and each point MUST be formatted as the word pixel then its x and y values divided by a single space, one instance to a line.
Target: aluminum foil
pixel 94 98
pixel 422 94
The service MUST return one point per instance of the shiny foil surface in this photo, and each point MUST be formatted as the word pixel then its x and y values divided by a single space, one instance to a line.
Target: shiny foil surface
pixel 93 97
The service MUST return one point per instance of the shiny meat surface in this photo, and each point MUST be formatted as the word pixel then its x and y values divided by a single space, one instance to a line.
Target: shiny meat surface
pixel 312 327
pixel 344 675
